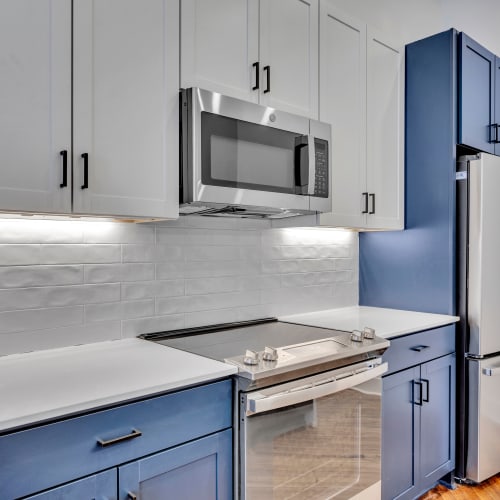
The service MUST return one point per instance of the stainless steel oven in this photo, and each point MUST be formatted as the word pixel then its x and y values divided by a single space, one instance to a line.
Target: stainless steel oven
pixel 307 413
pixel 241 158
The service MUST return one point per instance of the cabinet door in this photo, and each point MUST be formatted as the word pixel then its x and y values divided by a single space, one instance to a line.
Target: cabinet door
pixel 35 104
pixel 400 423
pixel 343 105
pixel 437 432
pixel 289 51
pixel 220 45
pixel 384 158
pixel 97 487
pixel 476 94
pixel 199 469
pixel 126 107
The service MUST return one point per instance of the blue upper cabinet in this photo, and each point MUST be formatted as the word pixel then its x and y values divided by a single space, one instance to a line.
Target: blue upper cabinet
pixel 497 106
pixel 477 123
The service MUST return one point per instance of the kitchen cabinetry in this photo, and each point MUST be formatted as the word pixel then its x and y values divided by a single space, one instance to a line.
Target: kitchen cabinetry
pixel 361 96
pixel 262 51
pixel 169 445
pixel 418 413
pixel 479 101
pixel 123 73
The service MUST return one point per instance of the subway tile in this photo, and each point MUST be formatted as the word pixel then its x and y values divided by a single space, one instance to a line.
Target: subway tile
pixel 28 341
pixel 79 254
pixel 37 319
pixel 149 289
pixel 211 285
pixel 203 318
pixel 40 231
pixel 13 255
pixel 111 273
pixel 115 232
pixel 135 327
pixel 119 310
pixel 220 253
pixel 24 276
pixel 57 296
pixel 170 270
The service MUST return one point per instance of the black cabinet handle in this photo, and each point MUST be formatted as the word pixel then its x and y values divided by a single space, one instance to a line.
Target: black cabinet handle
pixel 267 69
pixel 64 154
pixel 494 133
pixel 419 348
pixel 85 157
pixel 426 398
pixel 419 384
pixel 372 196
pixel 365 196
pixel 134 434
pixel 257 77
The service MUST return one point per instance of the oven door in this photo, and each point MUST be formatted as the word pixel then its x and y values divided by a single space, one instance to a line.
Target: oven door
pixel 316 438
pixel 241 153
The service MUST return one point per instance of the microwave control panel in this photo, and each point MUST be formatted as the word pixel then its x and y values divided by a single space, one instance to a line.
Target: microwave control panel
pixel 321 183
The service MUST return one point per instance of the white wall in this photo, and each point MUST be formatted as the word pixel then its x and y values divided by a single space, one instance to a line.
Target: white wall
pixel 410 20
pixel 71 282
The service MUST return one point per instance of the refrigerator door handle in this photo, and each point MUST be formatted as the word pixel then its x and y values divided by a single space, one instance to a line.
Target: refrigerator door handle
pixel 491 372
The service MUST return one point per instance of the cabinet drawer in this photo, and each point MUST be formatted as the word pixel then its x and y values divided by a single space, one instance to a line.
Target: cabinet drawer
pixel 419 347
pixel 45 456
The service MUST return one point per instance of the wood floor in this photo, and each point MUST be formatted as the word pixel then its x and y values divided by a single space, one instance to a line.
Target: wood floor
pixel 488 490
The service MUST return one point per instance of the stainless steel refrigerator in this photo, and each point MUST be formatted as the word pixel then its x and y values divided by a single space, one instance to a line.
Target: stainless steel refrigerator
pixel 478 197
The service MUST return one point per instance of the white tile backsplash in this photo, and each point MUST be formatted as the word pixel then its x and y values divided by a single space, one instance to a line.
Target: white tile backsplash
pixel 72 282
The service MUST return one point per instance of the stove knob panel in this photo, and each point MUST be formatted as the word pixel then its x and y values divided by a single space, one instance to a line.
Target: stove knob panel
pixel 368 333
pixel 356 336
pixel 251 358
pixel 270 354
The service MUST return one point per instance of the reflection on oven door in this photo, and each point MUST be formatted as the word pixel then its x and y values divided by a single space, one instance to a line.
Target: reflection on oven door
pixel 321 449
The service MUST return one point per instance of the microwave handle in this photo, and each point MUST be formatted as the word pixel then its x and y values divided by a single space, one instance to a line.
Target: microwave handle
pixel 305 171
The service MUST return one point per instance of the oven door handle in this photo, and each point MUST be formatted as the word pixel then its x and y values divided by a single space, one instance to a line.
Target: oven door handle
pixel 258 403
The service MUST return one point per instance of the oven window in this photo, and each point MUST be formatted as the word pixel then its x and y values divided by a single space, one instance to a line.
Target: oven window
pixel 239 154
pixel 321 449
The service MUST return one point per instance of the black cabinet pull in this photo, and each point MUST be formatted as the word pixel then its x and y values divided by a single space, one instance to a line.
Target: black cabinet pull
pixel 134 434
pixel 365 196
pixel 257 77
pixel 64 154
pixel 419 384
pixel 267 69
pixel 419 348
pixel 494 133
pixel 426 398
pixel 85 157
pixel 372 196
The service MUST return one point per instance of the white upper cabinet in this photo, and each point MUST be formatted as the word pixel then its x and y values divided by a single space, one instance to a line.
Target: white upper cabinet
pixel 262 51
pixel 35 105
pixel 343 105
pixel 219 45
pixel 289 34
pixel 124 69
pixel 384 159
pixel 361 84
pixel 125 111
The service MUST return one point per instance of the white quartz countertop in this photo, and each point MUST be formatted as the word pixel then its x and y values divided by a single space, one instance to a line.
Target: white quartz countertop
pixel 388 323
pixel 43 385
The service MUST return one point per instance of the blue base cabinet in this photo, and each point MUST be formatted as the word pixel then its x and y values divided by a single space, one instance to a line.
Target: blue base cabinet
pixel 176 445
pixel 418 415
pixel 100 486
pixel 201 469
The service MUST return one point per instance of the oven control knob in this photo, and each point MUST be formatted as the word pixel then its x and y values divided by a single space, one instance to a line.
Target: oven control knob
pixel 356 336
pixel 270 354
pixel 368 333
pixel 251 358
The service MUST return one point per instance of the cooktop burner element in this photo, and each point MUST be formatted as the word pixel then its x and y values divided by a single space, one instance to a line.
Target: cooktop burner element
pixel 268 351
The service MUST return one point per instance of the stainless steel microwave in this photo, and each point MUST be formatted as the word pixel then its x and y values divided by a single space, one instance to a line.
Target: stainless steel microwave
pixel 243 159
